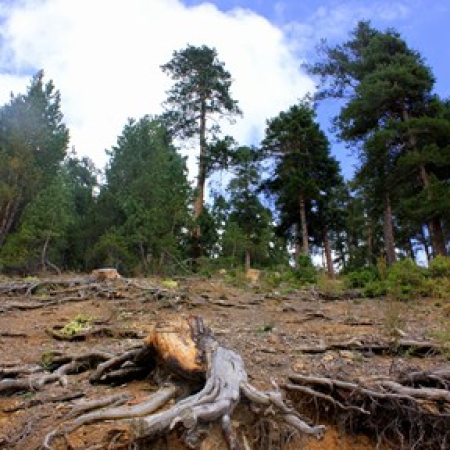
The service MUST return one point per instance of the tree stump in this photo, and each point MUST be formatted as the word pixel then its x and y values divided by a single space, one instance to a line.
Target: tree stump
pixel 214 376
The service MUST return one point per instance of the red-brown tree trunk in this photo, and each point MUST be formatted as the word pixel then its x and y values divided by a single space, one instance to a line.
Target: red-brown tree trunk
pixel 8 216
pixel 248 260
pixel 304 225
pixel 200 189
pixel 328 255
pixel 434 225
pixel 388 229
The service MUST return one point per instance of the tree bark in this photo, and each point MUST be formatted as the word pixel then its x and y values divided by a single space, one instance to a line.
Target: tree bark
pixel 297 246
pixel 8 218
pixel 424 242
pixel 370 242
pixel 44 252
pixel 304 224
pixel 388 229
pixel 201 180
pixel 328 256
pixel 191 353
pixel 434 225
pixel 248 260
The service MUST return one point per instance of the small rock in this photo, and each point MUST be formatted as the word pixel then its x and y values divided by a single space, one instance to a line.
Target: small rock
pixel 346 354
pixel 328 357
pixel 298 366
pixel 274 339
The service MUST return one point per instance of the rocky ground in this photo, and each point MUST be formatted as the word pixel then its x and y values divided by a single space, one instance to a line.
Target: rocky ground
pixel 278 331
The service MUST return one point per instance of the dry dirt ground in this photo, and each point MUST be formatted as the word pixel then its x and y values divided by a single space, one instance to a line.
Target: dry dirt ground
pixel 270 328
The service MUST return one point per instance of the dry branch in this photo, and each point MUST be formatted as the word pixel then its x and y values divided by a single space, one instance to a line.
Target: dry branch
pixel 402 412
pixel 191 353
pixel 92 332
pixel 409 346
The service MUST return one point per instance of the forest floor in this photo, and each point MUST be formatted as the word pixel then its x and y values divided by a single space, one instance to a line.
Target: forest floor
pixel 274 330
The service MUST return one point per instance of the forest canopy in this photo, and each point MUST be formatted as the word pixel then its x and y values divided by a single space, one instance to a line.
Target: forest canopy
pixel 284 201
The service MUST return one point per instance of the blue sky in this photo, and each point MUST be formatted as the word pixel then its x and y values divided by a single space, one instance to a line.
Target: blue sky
pixel 107 65
pixel 425 26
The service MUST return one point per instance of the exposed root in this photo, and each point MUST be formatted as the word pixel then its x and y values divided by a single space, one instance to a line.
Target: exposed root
pixel 61 366
pixel 412 347
pixel 411 412
pixel 189 350
pixel 116 413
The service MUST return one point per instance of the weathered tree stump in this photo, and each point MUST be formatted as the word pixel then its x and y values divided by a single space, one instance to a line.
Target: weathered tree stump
pixel 214 376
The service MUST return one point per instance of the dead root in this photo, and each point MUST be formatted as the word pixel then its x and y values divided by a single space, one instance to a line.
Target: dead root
pixel 213 376
pixel 412 411
pixel 43 293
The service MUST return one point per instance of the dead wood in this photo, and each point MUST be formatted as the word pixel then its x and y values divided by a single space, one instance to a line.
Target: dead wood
pixel 396 346
pixel 30 287
pixel 42 303
pixel 400 412
pixel 213 376
pixel 44 400
pixel 58 367
pixel 91 332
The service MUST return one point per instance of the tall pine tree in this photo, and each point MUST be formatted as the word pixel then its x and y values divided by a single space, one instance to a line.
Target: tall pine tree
pixel 200 95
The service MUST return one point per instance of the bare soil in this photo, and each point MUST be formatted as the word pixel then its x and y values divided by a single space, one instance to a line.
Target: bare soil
pixel 270 328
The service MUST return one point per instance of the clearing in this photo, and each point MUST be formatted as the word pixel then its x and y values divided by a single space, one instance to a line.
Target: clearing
pixel 279 332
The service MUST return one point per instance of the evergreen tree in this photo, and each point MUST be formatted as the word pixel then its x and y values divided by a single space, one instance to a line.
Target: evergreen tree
pixel 81 177
pixel 41 237
pixel 33 143
pixel 200 95
pixel 146 195
pixel 249 232
pixel 389 108
pixel 304 172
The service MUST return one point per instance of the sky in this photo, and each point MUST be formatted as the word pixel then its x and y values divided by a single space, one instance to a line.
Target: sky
pixel 104 56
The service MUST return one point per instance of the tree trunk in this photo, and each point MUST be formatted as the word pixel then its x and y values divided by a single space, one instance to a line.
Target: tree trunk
pixel 200 191
pixel 328 256
pixel 297 246
pixel 8 216
pixel 434 225
pixel 410 247
pixel 424 242
pixel 44 252
pixel 304 225
pixel 144 257
pixel 214 379
pixel 247 260
pixel 437 237
pixel 389 232
pixel 370 242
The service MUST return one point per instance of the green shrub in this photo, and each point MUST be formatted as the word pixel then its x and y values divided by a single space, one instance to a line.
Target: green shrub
pixel 331 286
pixel 361 277
pixel 405 279
pixel 375 288
pixel 305 272
pixel 437 287
pixel 440 266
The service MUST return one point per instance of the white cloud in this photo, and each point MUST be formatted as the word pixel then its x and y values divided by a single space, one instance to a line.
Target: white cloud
pixel 105 55
pixel 334 20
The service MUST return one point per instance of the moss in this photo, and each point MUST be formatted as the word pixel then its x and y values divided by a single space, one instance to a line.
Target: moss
pixel 78 324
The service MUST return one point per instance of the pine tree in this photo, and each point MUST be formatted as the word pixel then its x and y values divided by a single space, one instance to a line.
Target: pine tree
pixel 33 143
pixel 41 238
pixel 304 170
pixel 389 106
pixel 200 96
pixel 81 177
pixel 146 197
pixel 249 232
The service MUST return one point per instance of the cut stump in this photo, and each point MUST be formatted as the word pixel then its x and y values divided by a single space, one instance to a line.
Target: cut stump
pixel 215 378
